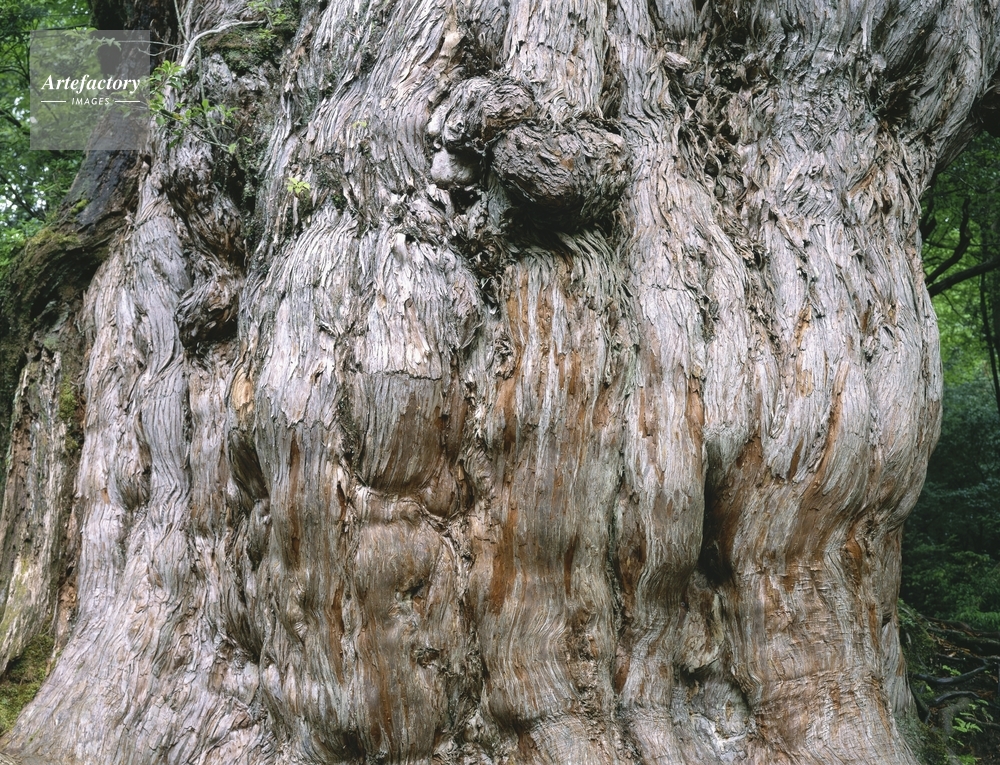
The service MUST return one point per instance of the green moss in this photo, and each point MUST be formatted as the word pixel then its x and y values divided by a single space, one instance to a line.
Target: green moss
pixel 926 741
pixel 34 275
pixel 23 678
pixel 918 646
pixel 67 401
pixel 52 237
pixel 80 206
pixel 27 269
pixel 18 593
pixel 934 750
pixel 245 50
pixel 43 277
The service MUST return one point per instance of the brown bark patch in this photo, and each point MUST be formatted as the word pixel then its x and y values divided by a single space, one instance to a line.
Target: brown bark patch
pixel 294 526
pixel 502 577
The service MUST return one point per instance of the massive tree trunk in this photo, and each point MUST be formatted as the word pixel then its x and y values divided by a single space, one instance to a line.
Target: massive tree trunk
pixel 569 414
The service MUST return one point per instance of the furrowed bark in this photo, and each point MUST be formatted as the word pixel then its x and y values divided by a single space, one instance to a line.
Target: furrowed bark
pixel 41 355
pixel 565 409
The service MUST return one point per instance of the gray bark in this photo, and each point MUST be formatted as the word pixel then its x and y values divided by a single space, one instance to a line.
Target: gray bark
pixel 571 417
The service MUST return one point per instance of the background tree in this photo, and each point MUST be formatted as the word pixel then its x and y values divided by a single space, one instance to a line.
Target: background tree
pixel 961 255
pixel 535 382
pixel 31 182
pixel 950 565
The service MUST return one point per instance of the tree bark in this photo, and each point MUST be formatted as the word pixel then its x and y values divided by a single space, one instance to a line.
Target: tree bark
pixel 571 414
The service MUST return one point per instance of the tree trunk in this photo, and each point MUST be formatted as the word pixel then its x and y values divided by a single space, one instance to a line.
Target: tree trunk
pixel 569 414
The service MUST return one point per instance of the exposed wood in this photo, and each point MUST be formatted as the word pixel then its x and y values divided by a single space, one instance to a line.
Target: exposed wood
pixel 37 502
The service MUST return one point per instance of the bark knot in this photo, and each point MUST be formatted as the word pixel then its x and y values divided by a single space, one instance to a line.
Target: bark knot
pixel 563 175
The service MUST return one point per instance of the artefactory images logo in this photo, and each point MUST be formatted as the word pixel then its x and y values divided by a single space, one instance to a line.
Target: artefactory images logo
pixel 89 89
pixel 89 84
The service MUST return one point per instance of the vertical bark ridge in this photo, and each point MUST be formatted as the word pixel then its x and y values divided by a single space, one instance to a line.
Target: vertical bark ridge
pixel 143 557
pixel 368 654
pixel 565 37
pixel 541 586
pixel 543 599
pixel 37 500
pixel 662 515
pixel 817 532
pixel 146 654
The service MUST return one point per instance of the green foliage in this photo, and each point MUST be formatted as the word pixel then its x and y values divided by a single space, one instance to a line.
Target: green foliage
pixel 167 75
pixel 920 648
pixel 23 678
pixel 32 183
pixel 954 584
pixel 170 108
pixel 951 550
pixel 931 654
pixel 961 225
pixel 244 50
pixel 951 567
pixel 13 236
pixel 963 725
pixel 276 15
pixel 297 187
pixel 966 724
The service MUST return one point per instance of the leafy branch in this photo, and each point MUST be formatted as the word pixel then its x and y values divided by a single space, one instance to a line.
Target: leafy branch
pixel 209 117
pixel 166 81
pixel 297 187
pixel 276 16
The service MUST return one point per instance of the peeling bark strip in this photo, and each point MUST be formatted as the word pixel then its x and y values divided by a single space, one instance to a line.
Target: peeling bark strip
pixel 571 417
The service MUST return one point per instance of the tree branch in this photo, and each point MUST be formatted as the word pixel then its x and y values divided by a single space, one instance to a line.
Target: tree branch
pixel 990 340
pixel 958 680
pixel 928 221
pixel 14 195
pixel 964 240
pixel 954 695
pixel 969 273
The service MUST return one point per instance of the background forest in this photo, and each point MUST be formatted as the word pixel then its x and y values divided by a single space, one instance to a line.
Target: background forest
pixel 951 549
pixel 951 544
pixel 32 183
pixel 951 566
